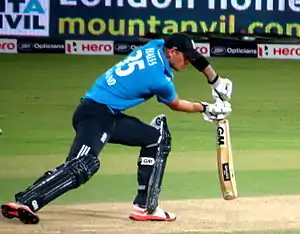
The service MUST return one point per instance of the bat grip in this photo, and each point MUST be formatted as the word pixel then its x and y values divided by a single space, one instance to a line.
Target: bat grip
pixel 220 117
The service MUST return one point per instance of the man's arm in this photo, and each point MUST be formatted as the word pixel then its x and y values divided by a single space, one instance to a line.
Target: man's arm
pixel 210 74
pixel 185 106
pixel 202 65
pixel 165 92
pixel 209 111
pixel 222 86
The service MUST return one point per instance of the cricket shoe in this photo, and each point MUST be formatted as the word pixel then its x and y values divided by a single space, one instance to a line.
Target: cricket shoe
pixel 19 211
pixel 141 214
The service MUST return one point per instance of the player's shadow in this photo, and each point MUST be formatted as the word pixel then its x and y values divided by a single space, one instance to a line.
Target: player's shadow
pixel 97 214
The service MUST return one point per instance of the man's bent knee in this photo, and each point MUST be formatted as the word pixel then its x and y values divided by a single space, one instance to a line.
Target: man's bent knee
pixel 83 168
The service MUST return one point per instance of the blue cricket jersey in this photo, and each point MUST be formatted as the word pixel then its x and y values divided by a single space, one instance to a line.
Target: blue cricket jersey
pixel 144 73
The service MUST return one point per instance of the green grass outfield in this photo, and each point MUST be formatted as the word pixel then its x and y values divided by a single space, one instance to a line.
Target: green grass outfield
pixel 38 94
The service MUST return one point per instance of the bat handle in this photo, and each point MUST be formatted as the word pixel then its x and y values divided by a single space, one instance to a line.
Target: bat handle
pixel 220 117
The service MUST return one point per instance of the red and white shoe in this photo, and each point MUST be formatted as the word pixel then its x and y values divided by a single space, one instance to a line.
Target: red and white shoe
pixel 19 211
pixel 141 214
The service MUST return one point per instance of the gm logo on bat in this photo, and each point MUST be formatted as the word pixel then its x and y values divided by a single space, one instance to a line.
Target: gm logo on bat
pixel 221 136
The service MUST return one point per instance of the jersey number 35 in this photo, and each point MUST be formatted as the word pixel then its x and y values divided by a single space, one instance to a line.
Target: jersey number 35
pixel 128 65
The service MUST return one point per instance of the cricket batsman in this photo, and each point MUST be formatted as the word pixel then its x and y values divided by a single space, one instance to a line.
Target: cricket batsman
pixel 99 119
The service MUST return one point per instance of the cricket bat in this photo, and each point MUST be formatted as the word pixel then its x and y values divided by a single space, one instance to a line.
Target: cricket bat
pixel 225 161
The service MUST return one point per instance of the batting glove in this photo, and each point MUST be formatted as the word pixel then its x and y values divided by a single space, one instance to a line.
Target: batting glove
pixel 219 110
pixel 222 88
